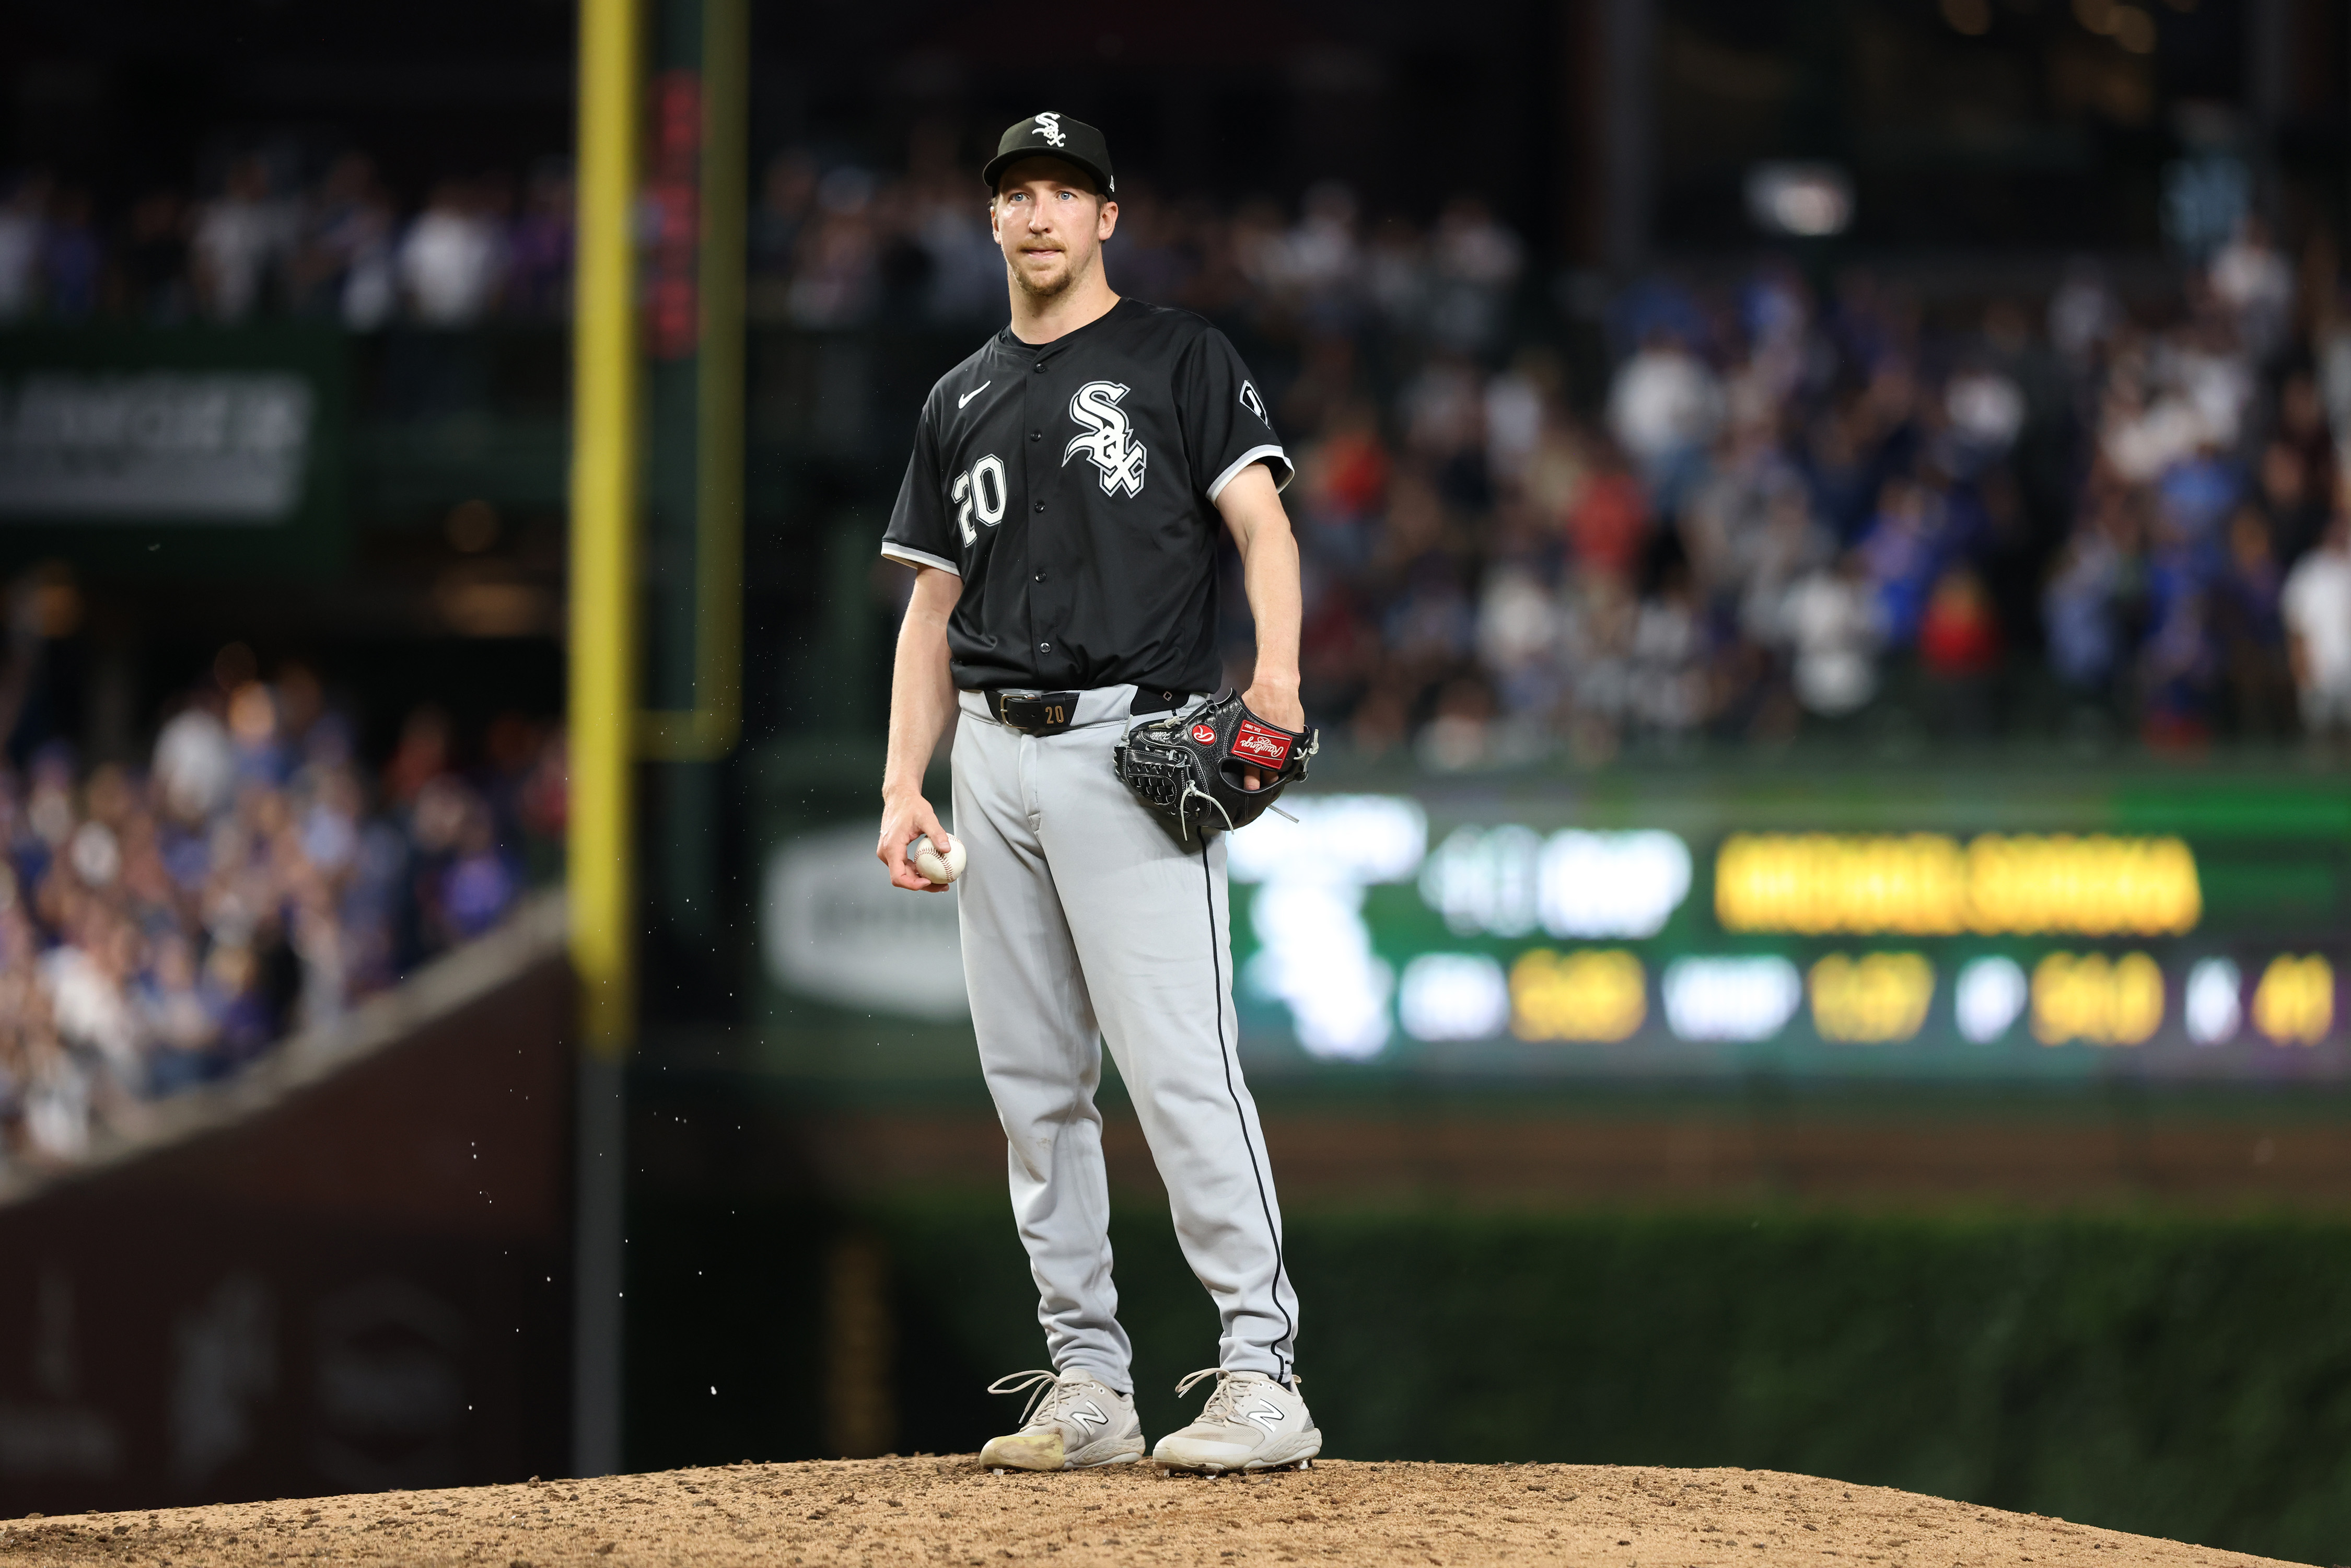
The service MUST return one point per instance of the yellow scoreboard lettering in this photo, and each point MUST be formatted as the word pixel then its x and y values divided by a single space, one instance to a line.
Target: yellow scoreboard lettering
pixel 2096 999
pixel 1595 994
pixel 1812 883
pixel 2294 1003
pixel 1871 1000
pixel 1927 885
pixel 2098 886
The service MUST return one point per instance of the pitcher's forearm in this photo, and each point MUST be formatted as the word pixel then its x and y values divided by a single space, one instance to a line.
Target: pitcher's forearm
pixel 1260 530
pixel 922 689
pixel 1277 605
pixel 920 706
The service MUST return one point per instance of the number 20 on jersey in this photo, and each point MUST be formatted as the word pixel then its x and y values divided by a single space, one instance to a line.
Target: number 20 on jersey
pixel 979 489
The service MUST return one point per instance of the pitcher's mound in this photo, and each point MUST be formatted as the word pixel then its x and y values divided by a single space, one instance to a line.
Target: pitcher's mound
pixel 946 1510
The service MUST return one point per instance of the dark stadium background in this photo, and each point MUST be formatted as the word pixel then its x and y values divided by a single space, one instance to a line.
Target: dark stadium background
pixel 2113 1295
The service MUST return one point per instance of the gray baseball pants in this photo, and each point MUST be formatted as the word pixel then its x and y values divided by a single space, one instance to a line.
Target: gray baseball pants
pixel 1086 919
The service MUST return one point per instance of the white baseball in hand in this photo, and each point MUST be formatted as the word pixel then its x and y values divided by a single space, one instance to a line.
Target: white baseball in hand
pixel 940 869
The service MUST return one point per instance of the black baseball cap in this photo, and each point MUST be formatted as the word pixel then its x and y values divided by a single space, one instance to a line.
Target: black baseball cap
pixel 1051 135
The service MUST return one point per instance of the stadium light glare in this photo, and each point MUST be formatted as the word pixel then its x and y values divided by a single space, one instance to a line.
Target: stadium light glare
pixel 1805 201
pixel 1990 995
pixel 1738 999
pixel 1453 996
pixel 2214 1005
pixel 1315 952
pixel 1316 959
pixel 1345 838
pixel 1505 881
pixel 1612 884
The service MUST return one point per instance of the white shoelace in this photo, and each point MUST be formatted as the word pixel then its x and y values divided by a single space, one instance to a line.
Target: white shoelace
pixel 1219 1406
pixel 1045 1405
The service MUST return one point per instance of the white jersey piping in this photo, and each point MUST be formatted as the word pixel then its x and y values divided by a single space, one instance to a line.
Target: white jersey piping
pixel 912 557
pixel 1243 461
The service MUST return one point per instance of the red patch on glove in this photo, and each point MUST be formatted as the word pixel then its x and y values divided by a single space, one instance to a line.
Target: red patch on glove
pixel 1259 743
pixel 1206 734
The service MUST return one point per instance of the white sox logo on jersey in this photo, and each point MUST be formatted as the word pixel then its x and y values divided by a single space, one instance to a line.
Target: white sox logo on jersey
pixel 1049 126
pixel 1108 439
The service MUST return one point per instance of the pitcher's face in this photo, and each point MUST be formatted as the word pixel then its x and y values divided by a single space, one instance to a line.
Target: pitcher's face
pixel 1050 225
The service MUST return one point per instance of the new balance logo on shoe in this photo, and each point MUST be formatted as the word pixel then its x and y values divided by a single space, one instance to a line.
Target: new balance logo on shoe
pixel 1088 1416
pixel 1221 1442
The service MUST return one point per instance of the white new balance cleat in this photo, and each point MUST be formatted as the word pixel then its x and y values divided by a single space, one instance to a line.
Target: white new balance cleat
pixel 1251 1422
pixel 1074 1422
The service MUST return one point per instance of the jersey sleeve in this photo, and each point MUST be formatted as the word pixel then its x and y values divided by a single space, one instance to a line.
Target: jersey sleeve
pixel 1226 426
pixel 919 533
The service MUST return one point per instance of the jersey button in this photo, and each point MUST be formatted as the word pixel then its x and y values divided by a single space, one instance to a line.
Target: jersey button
pixel 1044 647
pixel 1036 435
pixel 1041 577
pixel 1040 369
pixel 1040 506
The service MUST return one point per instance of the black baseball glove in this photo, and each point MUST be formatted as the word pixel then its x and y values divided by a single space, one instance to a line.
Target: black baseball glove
pixel 1190 765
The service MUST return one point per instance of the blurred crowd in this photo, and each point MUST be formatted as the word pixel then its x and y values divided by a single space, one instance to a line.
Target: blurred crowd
pixel 1798 508
pixel 161 929
pixel 336 248
pixel 1741 506
pixel 1781 502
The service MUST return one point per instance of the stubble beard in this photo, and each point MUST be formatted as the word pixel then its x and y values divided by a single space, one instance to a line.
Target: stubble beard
pixel 1052 289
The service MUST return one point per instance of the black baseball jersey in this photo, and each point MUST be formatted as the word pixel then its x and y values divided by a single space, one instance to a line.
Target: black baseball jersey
pixel 1072 486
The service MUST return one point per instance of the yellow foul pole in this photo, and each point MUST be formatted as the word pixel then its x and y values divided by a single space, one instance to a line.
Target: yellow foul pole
pixel 605 481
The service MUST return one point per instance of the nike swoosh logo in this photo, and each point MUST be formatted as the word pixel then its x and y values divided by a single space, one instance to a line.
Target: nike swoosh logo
pixel 975 392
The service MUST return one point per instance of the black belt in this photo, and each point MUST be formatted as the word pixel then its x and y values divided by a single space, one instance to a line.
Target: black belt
pixel 1034 712
pixel 1050 713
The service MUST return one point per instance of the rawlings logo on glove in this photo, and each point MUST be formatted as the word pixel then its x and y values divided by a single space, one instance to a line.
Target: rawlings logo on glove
pixel 1193 766
pixel 1257 743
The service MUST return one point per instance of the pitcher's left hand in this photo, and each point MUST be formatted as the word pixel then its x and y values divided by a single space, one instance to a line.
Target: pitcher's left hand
pixel 1275 704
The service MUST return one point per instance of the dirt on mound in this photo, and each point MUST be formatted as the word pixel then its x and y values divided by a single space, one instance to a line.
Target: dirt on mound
pixel 948 1511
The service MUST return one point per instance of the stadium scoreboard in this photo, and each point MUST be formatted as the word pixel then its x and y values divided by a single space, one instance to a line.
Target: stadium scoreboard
pixel 1946 929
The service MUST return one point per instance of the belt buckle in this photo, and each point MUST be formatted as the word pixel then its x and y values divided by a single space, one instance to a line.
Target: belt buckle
pixel 1046 713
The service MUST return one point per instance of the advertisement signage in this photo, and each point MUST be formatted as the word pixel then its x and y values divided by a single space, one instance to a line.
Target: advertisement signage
pixel 173 450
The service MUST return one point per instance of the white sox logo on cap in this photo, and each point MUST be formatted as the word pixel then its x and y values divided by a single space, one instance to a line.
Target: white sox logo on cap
pixel 1049 126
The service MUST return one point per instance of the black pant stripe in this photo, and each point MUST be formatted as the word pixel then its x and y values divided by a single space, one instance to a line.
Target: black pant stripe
pixel 1283 1361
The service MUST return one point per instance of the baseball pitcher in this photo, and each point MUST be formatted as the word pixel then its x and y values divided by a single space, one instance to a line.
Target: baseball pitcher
pixel 1060 511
